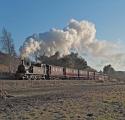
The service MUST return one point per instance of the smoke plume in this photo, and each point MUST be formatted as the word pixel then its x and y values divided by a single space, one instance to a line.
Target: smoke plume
pixel 77 36
pixel 29 47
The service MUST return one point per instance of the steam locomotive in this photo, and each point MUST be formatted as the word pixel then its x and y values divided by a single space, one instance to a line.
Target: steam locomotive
pixel 49 72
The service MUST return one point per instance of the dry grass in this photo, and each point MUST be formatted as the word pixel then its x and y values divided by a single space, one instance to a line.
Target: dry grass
pixel 63 100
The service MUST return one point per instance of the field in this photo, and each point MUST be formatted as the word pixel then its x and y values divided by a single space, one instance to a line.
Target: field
pixel 62 100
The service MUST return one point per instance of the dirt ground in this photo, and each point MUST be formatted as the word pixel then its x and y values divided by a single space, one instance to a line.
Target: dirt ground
pixel 62 100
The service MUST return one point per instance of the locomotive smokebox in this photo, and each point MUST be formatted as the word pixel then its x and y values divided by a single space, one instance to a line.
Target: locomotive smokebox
pixel 22 62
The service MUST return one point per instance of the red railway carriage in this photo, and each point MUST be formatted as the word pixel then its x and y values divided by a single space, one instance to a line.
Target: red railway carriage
pixel 55 72
pixel 83 74
pixel 97 76
pixel 91 75
pixel 70 73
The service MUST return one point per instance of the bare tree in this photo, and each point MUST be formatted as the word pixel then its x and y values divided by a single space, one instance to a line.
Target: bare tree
pixel 8 45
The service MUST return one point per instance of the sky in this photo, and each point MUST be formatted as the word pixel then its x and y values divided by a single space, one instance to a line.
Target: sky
pixel 24 17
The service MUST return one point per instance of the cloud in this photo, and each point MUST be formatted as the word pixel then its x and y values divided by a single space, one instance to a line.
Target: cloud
pixel 79 36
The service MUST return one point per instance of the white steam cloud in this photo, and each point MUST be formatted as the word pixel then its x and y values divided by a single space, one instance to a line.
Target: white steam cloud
pixel 79 36
pixel 30 46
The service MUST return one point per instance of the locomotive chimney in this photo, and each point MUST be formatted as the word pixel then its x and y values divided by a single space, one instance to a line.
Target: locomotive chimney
pixel 29 63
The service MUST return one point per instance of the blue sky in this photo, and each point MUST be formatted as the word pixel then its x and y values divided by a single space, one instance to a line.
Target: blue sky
pixel 24 17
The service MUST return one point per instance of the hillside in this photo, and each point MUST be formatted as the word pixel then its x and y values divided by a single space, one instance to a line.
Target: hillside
pixel 119 75
pixel 5 61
